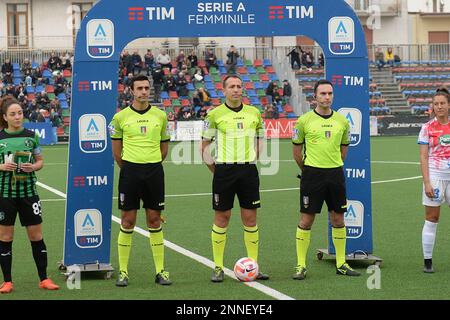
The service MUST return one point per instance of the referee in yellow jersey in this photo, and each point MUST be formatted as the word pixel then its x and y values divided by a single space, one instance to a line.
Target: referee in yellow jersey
pixel 140 143
pixel 321 140
pixel 238 131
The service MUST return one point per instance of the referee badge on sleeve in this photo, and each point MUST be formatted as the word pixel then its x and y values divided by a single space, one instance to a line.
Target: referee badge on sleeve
pixel 295 134
pixel 205 125
pixel 112 129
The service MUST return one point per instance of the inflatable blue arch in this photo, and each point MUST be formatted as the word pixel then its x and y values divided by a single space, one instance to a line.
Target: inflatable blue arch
pixel 111 24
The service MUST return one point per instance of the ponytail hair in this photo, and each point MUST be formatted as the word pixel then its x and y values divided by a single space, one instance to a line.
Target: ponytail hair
pixel 442 91
pixel 5 103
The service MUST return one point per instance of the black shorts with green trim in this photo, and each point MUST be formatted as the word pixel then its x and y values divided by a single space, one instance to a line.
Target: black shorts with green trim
pixel 141 182
pixel 318 185
pixel 29 209
pixel 235 179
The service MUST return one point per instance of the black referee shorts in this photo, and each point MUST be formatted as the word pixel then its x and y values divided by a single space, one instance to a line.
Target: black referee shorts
pixel 29 210
pixel 141 181
pixel 318 185
pixel 232 179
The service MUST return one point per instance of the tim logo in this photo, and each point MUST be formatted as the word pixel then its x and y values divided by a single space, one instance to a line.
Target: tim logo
pixel 88 228
pixel 341 35
pixel 80 181
pixel 92 133
pixel 290 12
pixel 84 86
pixel 100 38
pixel 136 13
pixel 354 118
pixel 153 13
pixel 354 219
pixel 339 80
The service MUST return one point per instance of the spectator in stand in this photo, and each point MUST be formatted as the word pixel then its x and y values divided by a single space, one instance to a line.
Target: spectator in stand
pixel 66 64
pixel 128 80
pixel 294 56
pixel 36 76
pixel 272 92
pixel 7 71
pixel 26 68
pixel 307 59
pixel 210 59
pixel 171 116
pixel 232 59
pixel 34 114
pixel 9 89
pixel 379 59
pixel 192 60
pixel 181 84
pixel 137 63
pixel 185 113
pixel 54 63
pixel 287 91
pixel 204 96
pixel 389 57
pixel 149 61
pixel 158 81
pixel 321 60
pixel 60 84
pixel 56 121
pixel 271 111
pixel 169 83
pixel 180 59
pixel 202 112
pixel 127 62
pixel 164 60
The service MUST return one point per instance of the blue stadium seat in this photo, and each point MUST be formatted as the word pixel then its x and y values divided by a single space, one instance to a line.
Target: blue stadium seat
pixel 240 62
pixel 222 70
pixel 273 77
pixel 251 70
pixel 30 89
pixel 15 66
pixel 39 88
pixel 46 74
pixel 220 94
pixel 245 78
pixel 190 86
pixel 62 96
pixel 219 63
pixel 164 95
pixel 255 101
pixel 34 65
pixel 209 86
pixel 17 80
pixel 213 94
pixel 259 85
pixel 64 104
pixel 252 93
pixel 267 63
pixel 291 115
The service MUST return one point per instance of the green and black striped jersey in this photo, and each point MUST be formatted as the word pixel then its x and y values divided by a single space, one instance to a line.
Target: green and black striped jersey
pixel 19 147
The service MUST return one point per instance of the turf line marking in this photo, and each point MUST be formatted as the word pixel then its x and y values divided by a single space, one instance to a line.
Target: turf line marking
pixel 396 162
pixel 260 287
pixel 395 180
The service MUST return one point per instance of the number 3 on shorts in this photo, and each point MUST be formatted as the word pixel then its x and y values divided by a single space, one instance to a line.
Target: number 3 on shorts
pixel 37 208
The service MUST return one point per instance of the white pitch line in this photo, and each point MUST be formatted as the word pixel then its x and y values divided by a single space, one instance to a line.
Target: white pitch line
pixel 396 162
pixel 395 180
pixel 260 287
